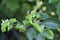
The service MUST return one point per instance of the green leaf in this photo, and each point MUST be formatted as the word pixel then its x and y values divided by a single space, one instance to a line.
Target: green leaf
pixel 13 20
pixel 58 10
pixel 20 27
pixel 50 24
pixel 9 27
pixel 52 1
pixel 44 16
pixel 48 34
pixel 39 37
pixel 25 22
pixel 31 33
pixel 4 25
pixel 37 15
pixel 29 18
pixel 38 27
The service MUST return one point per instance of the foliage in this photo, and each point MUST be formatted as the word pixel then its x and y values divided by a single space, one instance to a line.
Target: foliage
pixel 30 19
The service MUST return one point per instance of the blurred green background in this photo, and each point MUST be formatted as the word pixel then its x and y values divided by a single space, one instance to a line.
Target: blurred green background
pixel 20 8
